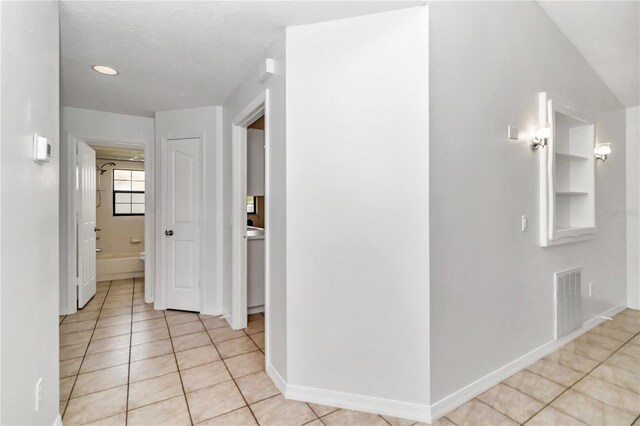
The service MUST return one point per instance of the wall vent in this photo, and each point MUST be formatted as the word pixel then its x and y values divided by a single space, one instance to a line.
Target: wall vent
pixel 568 301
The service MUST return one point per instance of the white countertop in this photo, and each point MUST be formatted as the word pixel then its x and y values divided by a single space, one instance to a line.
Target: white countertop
pixel 255 233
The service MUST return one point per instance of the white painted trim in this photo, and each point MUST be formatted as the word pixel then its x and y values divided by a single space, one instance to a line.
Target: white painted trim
pixel 250 113
pixel 58 421
pixel 72 204
pixel 350 401
pixel 255 309
pixel 474 389
pixel 276 378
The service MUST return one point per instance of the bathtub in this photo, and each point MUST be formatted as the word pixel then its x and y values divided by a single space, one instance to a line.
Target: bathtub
pixel 117 266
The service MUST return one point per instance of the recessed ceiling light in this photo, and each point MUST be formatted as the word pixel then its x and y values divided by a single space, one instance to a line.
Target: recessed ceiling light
pixel 103 69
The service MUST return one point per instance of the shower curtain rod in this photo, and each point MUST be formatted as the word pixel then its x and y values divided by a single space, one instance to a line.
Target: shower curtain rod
pixel 119 159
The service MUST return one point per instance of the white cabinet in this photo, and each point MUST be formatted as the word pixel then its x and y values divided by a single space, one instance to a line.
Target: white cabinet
pixel 567 190
pixel 255 162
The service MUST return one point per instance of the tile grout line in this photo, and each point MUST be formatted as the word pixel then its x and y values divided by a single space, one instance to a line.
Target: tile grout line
pixel 175 359
pixel 126 408
pixel 229 371
pixel 85 352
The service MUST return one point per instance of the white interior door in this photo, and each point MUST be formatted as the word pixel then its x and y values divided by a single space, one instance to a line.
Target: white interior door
pixel 86 224
pixel 182 234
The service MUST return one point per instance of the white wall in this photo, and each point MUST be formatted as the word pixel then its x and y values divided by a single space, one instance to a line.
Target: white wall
pixel 100 126
pixel 357 269
pixel 197 123
pixel 633 207
pixel 275 207
pixel 491 284
pixel 29 226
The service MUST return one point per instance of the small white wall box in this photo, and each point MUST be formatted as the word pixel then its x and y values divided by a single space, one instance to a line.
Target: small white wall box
pixel 41 149
pixel 269 69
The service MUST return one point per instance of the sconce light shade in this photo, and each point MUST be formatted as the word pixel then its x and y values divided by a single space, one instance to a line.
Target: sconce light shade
pixel 542 134
pixel 602 150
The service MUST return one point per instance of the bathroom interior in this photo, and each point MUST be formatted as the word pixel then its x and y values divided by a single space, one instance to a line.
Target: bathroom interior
pixel 120 209
pixel 255 218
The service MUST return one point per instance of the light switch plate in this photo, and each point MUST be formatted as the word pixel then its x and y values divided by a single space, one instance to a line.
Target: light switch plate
pixel 513 133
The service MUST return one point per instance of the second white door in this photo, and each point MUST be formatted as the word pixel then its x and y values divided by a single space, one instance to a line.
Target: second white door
pixel 182 233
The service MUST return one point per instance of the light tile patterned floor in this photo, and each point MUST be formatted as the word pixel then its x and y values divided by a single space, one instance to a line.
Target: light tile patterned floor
pixel 121 362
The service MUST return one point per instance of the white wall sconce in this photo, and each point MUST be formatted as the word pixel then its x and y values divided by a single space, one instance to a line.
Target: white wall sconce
pixel 543 133
pixel 602 150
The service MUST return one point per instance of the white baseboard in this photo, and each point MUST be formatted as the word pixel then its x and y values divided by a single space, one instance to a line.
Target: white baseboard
pixel 277 379
pixel 469 392
pixel 255 309
pixel 350 401
pixel 58 421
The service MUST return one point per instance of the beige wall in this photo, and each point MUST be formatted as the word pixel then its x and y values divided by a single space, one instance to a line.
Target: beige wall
pixel 116 233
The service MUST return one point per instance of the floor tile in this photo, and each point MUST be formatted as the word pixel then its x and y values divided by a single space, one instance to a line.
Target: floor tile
pixel 242 365
pixel 395 421
pixel 254 327
pixel 631 350
pixel 322 410
pixel 149 336
pixel 115 320
pixel 550 416
pixel 148 325
pixel 572 360
pixel 70 367
pixel 100 380
pixel 211 402
pixel 107 313
pixel 185 328
pixel 612 333
pixel 143 308
pixel 600 341
pixel 535 386
pixel 511 402
pixel 74 327
pixel 80 317
pixel 204 376
pixel 224 333
pixel 66 385
pixel 475 413
pixel 172 412
pixel 109 344
pixel 114 330
pixel 280 411
pixel 189 341
pixel 555 372
pixel 589 351
pixel 442 421
pixel 75 338
pixel 105 360
pixel 344 417
pixel 233 347
pixel 152 367
pixel 197 356
pixel 182 318
pixel 95 406
pixel 610 394
pixel 240 417
pixel 214 322
pixel 625 362
pixel 256 387
pixel 619 377
pixel 154 390
pixel 151 350
pixel 591 411
pixel 258 339
pixel 72 351
pixel 147 315
pixel 117 420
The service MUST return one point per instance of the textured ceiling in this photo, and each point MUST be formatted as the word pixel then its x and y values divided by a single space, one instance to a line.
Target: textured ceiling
pixel 607 35
pixel 175 55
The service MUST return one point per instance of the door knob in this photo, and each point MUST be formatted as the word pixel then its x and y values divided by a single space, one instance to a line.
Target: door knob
pixel 168 233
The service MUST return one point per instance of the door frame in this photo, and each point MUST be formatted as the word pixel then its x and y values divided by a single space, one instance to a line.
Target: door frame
pixel 73 204
pixel 259 106
pixel 160 302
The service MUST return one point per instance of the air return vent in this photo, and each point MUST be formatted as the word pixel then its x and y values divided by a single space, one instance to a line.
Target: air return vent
pixel 568 301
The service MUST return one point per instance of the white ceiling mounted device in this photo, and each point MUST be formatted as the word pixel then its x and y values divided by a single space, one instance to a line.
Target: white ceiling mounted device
pixel 269 69
pixel 104 69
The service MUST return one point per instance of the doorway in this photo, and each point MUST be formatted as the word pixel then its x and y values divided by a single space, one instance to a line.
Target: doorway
pixel 109 189
pixel 250 199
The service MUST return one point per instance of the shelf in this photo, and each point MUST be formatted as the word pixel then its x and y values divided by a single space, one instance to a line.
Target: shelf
pixel 571 157
pixel 571 193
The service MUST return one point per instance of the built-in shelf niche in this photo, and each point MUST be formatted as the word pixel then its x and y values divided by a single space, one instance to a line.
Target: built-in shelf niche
pixel 567 174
